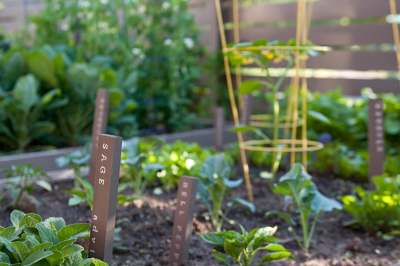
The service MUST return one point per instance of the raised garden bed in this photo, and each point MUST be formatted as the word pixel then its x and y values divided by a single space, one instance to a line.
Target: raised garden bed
pixel 147 228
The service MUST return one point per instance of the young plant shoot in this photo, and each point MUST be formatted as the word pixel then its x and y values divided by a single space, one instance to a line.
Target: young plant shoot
pixel 306 198
pixel 213 184
pixel 31 242
pixel 21 179
pixel 243 247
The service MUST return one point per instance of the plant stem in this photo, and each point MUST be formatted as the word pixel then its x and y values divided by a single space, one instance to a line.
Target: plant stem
pixel 311 231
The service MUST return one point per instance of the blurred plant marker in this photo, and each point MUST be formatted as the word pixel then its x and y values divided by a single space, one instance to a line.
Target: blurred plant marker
pixel 376 135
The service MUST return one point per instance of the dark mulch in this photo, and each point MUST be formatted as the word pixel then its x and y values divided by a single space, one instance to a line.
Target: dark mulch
pixel 147 233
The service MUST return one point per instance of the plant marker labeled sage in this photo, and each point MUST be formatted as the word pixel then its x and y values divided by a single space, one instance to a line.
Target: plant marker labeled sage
pixel 105 197
pixel 219 124
pixel 183 221
pixel 99 127
pixel 376 146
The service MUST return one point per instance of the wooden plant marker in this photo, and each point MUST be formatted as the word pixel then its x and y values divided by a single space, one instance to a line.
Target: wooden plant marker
pixel 183 221
pixel 376 146
pixel 105 197
pixel 219 124
pixel 99 127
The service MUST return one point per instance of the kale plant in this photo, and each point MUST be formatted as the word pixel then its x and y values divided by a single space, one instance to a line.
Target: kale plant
pixel 213 184
pixel 306 198
pixel 243 247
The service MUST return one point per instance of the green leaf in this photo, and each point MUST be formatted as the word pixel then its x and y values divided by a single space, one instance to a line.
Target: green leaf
pixel 62 244
pixel 22 250
pixel 46 234
pixel 283 215
pixel 8 232
pixel 30 220
pixel 35 257
pixel 211 238
pixel 116 97
pixel 241 129
pixel 58 223
pixel 71 250
pixel 44 184
pixel 16 217
pixel 232 183
pixel 43 68
pixel 71 230
pixel 250 85
pixel 275 247
pixel 4 258
pixel 319 116
pixel 39 247
pixel 275 256
pixel 99 263
pixel 234 248
pixel 49 96
pixel 221 257
pixel 56 258
pixel 322 203
pixel 25 91
pixel 239 201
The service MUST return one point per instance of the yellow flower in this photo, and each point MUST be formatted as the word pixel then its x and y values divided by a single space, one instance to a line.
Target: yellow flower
pixel 270 56
pixel 238 56
pixel 277 60
pixel 247 61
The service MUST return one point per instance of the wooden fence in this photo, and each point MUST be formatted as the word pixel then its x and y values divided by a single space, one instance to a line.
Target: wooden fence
pixel 358 30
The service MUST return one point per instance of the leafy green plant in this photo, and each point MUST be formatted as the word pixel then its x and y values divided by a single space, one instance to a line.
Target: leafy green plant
pixel 31 241
pixel 76 160
pixel 243 247
pixel 306 198
pixel 377 211
pixel 134 156
pixel 179 158
pixel 84 194
pixel 21 179
pixel 22 108
pixel 214 183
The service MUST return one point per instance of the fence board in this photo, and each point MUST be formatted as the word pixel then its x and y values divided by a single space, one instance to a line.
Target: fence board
pixel 324 35
pixel 322 10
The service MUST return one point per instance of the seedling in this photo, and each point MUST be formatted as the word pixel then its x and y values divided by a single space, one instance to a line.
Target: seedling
pixel 306 198
pixel 21 179
pixel 214 183
pixel 243 247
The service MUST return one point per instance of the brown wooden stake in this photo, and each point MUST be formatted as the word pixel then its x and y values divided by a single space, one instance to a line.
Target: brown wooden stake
pixel 376 146
pixel 99 127
pixel 219 123
pixel 108 161
pixel 183 221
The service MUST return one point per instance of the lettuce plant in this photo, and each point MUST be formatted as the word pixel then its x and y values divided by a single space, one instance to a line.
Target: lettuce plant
pixel 21 179
pixel 377 211
pixel 213 184
pixel 243 247
pixel 33 242
pixel 306 198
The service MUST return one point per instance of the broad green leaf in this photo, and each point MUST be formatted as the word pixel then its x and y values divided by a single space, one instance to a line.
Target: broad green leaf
pixel 25 91
pixel 16 217
pixel 318 116
pixel 221 257
pixel 35 257
pixel 47 235
pixel 7 264
pixel 322 203
pixel 30 220
pixel 232 183
pixel 71 250
pixel 39 247
pixel 4 258
pixel 249 86
pixel 99 263
pixel 22 250
pixel 73 260
pixel 211 238
pixel 8 232
pixel 116 97
pixel 71 230
pixel 234 248
pixel 275 247
pixel 43 68
pixel 58 223
pixel 49 96
pixel 56 258
pixel 216 166
pixel 62 244
pixel 75 200
pixel 44 184
pixel 275 256
pixel 239 201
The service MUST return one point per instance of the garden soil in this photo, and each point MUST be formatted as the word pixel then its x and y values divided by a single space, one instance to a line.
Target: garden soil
pixel 146 228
